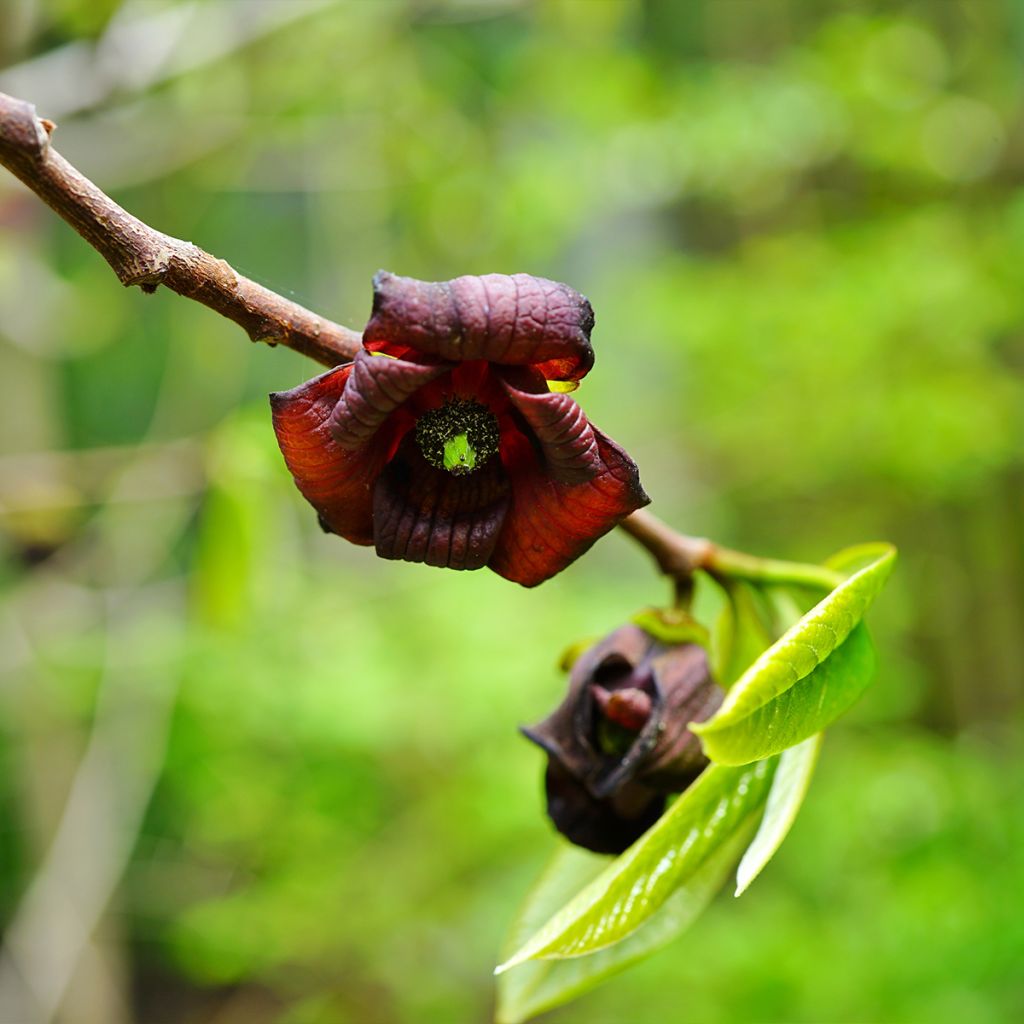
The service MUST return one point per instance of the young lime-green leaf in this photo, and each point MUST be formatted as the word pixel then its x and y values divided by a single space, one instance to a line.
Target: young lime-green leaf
pixel 812 703
pixel 859 556
pixel 539 985
pixel 635 885
pixel 671 626
pixel 789 787
pixel 574 652
pixel 788 608
pixel 767 709
pixel 740 634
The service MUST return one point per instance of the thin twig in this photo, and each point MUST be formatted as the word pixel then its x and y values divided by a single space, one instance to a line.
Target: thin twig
pixel 142 256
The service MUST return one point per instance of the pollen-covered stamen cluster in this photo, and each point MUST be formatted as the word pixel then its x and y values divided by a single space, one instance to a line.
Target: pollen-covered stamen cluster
pixel 459 437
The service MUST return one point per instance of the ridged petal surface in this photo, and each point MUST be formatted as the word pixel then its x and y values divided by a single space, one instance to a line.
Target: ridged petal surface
pixel 507 319
pixel 423 514
pixel 559 424
pixel 551 523
pixel 375 388
pixel 337 482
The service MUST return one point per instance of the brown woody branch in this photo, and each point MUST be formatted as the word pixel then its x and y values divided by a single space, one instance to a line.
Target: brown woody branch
pixel 142 256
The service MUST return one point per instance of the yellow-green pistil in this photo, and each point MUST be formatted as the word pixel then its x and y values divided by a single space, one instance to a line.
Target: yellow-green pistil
pixel 459 454
pixel 459 437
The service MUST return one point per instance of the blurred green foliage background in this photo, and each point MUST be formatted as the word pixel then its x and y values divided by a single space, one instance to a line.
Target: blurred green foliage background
pixel 252 774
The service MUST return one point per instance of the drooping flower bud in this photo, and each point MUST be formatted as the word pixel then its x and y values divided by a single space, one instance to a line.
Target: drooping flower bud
pixel 620 742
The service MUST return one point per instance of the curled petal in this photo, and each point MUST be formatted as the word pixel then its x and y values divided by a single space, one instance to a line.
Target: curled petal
pixel 375 388
pixel 566 733
pixel 560 426
pixel 551 523
pixel 513 319
pixel 681 676
pixel 423 514
pixel 604 826
pixel 335 481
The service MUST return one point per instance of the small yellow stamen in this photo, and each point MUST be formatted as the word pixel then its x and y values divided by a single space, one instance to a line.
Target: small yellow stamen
pixel 563 387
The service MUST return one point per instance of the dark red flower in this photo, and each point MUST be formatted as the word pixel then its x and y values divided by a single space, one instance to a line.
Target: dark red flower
pixel 620 741
pixel 442 441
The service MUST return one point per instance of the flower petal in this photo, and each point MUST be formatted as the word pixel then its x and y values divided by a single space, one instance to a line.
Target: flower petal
pixel 423 514
pixel 375 388
pixel 683 679
pixel 335 481
pixel 604 826
pixel 567 733
pixel 560 425
pixel 513 319
pixel 552 523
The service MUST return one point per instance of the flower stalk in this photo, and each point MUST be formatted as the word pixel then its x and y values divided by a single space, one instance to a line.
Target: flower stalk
pixel 679 556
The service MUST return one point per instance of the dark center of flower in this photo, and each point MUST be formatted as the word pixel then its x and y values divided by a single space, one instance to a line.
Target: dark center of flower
pixel 460 436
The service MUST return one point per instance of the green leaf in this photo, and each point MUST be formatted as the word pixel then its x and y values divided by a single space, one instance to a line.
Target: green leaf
pixel 575 651
pixel 800 683
pixel 538 985
pixel 859 556
pixel 627 893
pixel 818 699
pixel 740 634
pixel 789 787
pixel 671 626
pixel 787 607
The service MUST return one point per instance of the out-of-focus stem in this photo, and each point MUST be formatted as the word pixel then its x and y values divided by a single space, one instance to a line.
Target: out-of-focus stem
pixel 679 556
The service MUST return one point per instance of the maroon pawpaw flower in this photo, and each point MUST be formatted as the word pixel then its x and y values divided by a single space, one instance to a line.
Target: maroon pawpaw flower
pixel 620 741
pixel 442 441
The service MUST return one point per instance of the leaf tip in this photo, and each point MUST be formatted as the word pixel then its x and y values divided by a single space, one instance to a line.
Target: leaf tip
pixel 512 961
